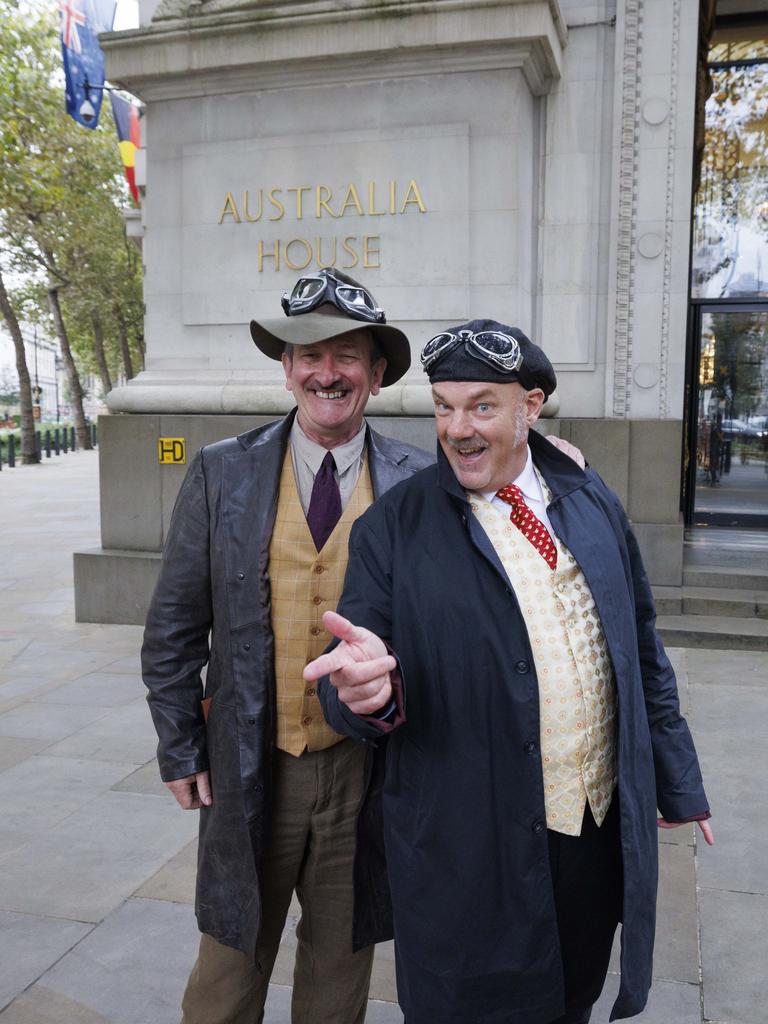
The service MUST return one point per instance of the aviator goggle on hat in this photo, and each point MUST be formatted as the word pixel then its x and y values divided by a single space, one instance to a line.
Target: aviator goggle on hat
pixel 326 305
pixel 485 350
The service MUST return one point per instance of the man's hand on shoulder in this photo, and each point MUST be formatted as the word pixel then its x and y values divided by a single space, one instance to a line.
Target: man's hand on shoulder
pixel 358 667
pixel 192 792
pixel 568 449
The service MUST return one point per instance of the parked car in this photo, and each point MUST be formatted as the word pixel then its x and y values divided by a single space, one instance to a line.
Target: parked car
pixel 734 428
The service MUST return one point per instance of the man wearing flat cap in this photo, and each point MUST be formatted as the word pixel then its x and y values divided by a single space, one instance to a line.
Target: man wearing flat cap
pixel 497 626
pixel 255 554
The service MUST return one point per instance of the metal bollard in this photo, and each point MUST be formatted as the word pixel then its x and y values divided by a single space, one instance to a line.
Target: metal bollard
pixel 38 448
pixel 93 435
pixel 64 440
pixel 47 444
pixel 72 438
pixel 1 453
pixel 11 451
pixel 57 441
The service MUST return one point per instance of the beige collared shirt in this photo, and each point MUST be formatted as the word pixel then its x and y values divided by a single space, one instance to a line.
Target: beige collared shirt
pixel 307 457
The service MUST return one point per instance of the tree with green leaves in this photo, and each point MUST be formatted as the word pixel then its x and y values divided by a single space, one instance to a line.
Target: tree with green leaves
pixel 61 226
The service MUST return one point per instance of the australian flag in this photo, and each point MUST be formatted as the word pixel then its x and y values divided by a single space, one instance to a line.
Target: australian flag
pixel 81 22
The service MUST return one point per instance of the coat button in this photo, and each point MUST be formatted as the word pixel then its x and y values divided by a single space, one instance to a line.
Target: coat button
pixel 521 667
pixel 311 691
pixel 319 569
pixel 315 631
pixel 530 747
pixel 316 599
pixel 241 575
pixel 538 827
pixel 246 647
pixel 251 721
pixel 258 787
pixel 306 720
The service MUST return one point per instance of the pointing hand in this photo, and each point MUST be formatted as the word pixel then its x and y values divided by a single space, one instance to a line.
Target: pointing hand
pixel 359 666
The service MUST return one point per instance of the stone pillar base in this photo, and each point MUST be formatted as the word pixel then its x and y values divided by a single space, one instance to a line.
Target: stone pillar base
pixel 639 459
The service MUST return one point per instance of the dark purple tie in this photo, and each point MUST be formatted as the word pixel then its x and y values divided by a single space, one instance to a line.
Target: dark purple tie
pixel 325 504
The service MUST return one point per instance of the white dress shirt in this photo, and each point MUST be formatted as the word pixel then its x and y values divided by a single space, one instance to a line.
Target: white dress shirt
pixel 529 484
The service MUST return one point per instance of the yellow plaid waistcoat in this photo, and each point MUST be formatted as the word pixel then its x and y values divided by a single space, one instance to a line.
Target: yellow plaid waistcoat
pixel 304 584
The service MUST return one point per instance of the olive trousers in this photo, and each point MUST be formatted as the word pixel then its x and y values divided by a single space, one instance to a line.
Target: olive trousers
pixel 311 850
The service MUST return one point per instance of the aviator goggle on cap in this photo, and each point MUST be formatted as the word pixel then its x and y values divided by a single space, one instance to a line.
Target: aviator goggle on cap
pixel 326 305
pixel 485 350
pixel 351 298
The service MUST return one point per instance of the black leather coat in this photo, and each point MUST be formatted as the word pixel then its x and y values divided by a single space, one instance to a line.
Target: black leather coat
pixel 212 606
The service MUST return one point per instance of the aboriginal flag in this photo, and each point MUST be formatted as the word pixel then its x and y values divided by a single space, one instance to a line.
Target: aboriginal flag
pixel 126 116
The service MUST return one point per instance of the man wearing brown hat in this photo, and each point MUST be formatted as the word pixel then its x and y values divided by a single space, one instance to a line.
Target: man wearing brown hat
pixel 536 726
pixel 256 553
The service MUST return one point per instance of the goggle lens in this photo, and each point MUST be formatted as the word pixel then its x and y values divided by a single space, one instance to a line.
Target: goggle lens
pixel 355 297
pixel 435 347
pixel 307 288
pixel 492 342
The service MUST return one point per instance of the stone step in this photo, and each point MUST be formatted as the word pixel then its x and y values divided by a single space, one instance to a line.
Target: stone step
pixel 724 576
pixel 713 601
pixel 710 631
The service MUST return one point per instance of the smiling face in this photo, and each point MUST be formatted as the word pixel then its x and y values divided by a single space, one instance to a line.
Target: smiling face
pixel 331 381
pixel 483 430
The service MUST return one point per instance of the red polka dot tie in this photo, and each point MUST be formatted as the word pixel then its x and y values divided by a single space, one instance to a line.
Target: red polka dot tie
pixel 527 523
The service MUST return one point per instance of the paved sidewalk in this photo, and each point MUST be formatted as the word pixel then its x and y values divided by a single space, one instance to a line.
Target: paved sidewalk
pixel 97 862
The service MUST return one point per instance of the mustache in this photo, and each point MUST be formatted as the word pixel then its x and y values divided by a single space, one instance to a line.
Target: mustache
pixel 336 385
pixel 465 446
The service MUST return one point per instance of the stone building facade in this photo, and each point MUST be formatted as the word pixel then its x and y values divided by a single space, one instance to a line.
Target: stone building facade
pixel 529 160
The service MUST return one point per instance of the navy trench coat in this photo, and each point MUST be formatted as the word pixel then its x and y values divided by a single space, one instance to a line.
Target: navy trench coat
pixel 212 605
pixel 463 800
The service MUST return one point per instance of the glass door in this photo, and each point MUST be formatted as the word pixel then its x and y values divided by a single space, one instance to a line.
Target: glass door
pixel 728 421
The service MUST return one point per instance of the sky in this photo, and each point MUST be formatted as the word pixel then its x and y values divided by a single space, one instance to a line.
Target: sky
pixel 127 14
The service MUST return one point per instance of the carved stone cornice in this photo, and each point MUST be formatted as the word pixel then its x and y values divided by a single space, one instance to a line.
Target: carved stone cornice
pixel 626 227
pixel 666 289
pixel 220 46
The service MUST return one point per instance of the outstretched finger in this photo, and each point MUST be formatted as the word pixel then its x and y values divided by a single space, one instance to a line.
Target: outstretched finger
pixel 343 628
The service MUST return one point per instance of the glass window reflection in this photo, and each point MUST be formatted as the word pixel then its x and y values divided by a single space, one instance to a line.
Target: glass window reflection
pixel 730 230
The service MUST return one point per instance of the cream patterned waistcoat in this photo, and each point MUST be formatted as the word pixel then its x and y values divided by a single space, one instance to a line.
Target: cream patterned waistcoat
pixel 577 695
pixel 305 583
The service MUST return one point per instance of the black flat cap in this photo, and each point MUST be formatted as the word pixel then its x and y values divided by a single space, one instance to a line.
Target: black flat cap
pixel 463 361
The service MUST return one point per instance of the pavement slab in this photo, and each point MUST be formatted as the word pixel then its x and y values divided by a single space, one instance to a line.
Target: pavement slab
pixel 86 866
pixel 105 689
pixel 143 780
pixel 47 721
pixel 669 1002
pixel 118 734
pixel 29 946
pixel 175 881
pixel 15 749
pixel 132 968
pixel 42 791
pixel 734 943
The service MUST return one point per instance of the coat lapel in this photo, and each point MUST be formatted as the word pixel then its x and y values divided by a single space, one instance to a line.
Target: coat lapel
pixel 250 485
pixel 386 460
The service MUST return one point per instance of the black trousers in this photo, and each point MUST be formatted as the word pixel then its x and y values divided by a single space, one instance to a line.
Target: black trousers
pixel 587 880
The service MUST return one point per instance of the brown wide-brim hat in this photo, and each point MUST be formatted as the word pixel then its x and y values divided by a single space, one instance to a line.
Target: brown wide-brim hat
pixel 271 337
